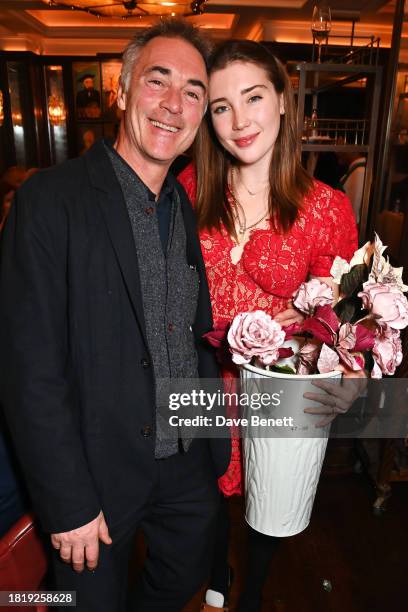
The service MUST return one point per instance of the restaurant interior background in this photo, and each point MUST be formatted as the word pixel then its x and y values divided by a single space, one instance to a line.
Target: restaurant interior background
pixel 354 101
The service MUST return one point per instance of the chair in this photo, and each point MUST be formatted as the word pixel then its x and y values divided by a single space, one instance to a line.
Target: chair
pixel 23 560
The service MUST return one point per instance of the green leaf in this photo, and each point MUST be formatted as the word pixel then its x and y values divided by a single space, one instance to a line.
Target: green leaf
pixel 283 369
pixel 353 280
pixel 350 310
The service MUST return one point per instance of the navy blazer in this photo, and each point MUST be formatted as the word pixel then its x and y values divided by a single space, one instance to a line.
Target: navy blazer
pixel 76 381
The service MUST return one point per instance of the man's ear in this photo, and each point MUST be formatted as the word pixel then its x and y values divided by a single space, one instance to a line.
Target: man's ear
pixel 281 104
pixel 121 100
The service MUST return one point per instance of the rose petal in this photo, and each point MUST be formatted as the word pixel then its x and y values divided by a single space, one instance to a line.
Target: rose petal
pixel 328 360
pixel 364 338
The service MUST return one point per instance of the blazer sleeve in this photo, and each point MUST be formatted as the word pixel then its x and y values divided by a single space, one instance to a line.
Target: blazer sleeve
pixel 37 382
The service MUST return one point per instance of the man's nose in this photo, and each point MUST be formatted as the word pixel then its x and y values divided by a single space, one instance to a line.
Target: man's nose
pixel 173 101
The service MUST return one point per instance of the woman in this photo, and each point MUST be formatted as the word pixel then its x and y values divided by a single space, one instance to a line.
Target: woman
pixel 265 227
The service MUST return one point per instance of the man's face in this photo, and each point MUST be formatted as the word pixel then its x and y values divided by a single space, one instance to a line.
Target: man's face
pixel 88 139
pixel 88 83
pixel 165 102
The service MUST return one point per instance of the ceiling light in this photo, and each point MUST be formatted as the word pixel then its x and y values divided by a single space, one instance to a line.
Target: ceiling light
pixel 126 9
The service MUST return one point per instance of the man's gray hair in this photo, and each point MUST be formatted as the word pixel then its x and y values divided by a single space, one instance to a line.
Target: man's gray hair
pixel 169 28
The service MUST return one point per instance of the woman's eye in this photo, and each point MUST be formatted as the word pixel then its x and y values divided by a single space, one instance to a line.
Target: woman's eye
pixel 254 99
pixel 219 109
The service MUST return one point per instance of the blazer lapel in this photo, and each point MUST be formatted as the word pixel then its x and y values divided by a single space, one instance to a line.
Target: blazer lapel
pixel 112 204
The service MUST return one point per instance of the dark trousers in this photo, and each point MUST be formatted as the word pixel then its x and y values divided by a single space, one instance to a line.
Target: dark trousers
pixel 178 519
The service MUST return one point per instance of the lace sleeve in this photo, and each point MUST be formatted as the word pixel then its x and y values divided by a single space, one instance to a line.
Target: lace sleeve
pixel 336 232
pixel 188 179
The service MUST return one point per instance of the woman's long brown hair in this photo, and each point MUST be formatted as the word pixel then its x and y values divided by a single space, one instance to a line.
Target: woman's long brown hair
pixel 289 181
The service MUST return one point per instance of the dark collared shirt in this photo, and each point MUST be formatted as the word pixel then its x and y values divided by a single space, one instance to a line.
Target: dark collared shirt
pixel 163 204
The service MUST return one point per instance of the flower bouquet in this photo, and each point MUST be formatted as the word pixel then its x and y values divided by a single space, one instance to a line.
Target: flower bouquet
pixel 360 332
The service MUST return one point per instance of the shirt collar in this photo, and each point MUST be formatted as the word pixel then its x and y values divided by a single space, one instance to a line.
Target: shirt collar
pixel 167 187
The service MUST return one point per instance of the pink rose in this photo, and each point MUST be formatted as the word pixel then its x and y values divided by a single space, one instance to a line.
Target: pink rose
pixel 387 351
pixel 255 334
pixel 312 294
pixel 387 303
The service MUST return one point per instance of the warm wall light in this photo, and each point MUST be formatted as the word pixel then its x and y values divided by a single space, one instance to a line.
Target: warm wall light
pixel 17 119
pixel 1 108
pixel 56 110
pixel 126 9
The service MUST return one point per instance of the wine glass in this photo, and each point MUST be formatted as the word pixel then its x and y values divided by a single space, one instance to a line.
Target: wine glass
pixel 321 26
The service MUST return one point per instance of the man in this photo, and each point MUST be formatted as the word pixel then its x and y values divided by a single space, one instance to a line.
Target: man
pixel 88 99
pixel 103 293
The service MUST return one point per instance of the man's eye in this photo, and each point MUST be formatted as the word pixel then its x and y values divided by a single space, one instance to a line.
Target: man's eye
pixel 193 95
pixel 155 82
pixel 219 110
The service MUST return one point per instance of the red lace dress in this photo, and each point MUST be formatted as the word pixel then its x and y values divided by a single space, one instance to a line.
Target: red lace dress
pixel 271 268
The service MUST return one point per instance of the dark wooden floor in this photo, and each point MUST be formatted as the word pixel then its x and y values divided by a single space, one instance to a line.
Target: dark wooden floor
pixel 363 557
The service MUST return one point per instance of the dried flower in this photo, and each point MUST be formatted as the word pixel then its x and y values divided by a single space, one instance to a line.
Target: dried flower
pixel 312 294
pixel 255 334
pixel 387 352
pixel 386 303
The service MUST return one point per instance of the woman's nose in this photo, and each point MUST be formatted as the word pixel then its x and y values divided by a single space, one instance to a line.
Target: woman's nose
pixel 241 121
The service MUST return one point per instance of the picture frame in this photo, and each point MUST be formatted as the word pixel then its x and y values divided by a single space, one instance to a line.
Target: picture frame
pixel 110 70
pixel 87 135
pixel 87 90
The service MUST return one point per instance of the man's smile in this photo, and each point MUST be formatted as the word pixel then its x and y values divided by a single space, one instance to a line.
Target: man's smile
pixel 164 126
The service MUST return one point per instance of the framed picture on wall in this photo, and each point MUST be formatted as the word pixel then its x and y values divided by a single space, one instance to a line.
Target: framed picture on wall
pixel 110 130
pixel 87 90
pixel 87 135
pixel 110 81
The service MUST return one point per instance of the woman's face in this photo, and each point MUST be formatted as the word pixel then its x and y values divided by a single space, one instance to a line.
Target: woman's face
pixel 245 111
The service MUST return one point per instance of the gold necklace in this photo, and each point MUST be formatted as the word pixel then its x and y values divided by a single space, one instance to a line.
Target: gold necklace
pixel 242 224
pixel 251 193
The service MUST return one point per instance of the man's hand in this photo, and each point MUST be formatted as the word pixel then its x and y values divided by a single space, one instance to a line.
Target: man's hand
pixel 338 398
pixel 82 544
pixel 289 316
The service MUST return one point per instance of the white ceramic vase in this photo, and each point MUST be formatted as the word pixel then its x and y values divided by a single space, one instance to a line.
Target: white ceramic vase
pixel 282 470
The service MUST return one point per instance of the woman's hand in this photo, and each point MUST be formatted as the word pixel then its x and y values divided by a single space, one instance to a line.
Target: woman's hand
pixel 289 316
pixel 338 398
